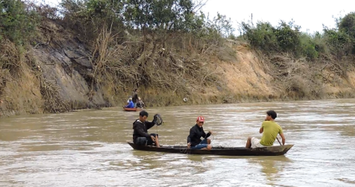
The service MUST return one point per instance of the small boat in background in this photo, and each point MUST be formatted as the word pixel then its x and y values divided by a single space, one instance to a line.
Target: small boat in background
pixel 229 151
pixel 131 109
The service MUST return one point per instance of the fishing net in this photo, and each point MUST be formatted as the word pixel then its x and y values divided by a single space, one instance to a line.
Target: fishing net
pixel 157 120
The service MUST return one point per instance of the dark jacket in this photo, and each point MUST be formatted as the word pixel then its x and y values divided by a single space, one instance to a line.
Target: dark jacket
pixel 140 104
pixel 135 97
pixel 195 135
pixel 140 129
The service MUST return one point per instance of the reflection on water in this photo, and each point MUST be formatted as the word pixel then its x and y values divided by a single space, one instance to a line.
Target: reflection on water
pixel 271 167
pixel 88 147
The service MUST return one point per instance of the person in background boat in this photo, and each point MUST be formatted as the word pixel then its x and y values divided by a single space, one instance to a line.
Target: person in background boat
pixel 140 132
pixel 140 103
pixel 130 103
pixel 135 97
pixel 196 132
pixel 270 130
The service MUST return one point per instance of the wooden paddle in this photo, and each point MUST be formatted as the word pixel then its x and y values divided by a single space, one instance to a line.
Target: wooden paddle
pixel 278 140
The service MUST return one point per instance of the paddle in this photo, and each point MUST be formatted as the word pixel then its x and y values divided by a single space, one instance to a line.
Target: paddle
pixel 278 140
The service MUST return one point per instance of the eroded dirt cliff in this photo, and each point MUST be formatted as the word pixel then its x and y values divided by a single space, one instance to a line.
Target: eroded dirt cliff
pixel 59 75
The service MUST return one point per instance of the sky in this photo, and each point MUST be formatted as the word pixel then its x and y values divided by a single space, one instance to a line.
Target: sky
pixel 311 15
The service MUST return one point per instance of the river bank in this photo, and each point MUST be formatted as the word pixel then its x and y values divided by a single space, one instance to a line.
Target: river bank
pixel 62 73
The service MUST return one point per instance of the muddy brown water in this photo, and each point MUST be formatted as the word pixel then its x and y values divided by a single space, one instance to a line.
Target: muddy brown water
pixel 88 147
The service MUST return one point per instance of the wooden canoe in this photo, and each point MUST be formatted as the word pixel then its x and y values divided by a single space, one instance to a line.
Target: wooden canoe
pixel 229 151
pixel 131 109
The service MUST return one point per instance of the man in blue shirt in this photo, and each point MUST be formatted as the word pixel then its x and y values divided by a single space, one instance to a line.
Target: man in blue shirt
pixel 130 103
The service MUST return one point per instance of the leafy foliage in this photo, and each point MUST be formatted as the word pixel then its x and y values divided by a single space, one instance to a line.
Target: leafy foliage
pixel 262 36
pixel 144 15
pixel 158 14
pixel 17 22
pixel 347 25
pixel 308 47
pixel 288 37
pixel 88 16
pixel 284 38
pixel 339 42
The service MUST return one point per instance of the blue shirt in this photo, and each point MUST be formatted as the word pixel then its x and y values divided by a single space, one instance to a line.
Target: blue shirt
pixel 130 105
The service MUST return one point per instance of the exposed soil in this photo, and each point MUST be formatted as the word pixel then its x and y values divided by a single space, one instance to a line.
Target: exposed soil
pixel 58 74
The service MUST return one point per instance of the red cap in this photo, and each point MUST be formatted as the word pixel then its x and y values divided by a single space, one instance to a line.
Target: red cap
pixel 200 118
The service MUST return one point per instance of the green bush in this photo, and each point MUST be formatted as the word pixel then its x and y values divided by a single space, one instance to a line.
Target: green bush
pixel 146 16
pixel 320 44
pixel 152 14
pixel 288 37
pixel 261 37
pixel 339 42
pixel 308 47
pixel 17 22
pixel 88 17
pixel 347 25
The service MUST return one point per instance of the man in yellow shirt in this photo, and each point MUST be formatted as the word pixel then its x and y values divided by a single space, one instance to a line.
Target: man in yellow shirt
pixel 270 129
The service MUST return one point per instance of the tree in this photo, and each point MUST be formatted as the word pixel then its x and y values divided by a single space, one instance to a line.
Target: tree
pixel 339 42
pixel 158 14
pixel 288 37
pixel 262 36
pixel 16 23
pixel 347 25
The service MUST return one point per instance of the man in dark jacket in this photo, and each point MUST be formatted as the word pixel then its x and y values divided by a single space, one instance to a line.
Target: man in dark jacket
pixel 140 132
pixel 196 132
pixel 135 97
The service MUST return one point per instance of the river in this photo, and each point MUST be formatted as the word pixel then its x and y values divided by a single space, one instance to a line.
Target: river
pixel 88 147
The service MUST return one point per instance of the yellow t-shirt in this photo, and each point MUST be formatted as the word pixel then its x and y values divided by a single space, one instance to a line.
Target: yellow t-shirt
pixel 270 131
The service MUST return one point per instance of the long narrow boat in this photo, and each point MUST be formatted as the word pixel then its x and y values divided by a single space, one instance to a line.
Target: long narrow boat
pixel 230 151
